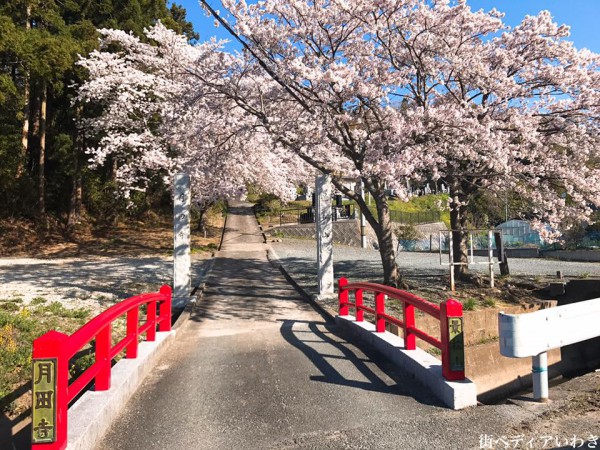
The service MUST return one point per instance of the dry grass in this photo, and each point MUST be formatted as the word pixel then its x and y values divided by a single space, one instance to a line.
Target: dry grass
pixel 22 238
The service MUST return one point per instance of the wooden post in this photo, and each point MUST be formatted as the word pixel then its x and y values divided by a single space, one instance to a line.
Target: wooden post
pixel 502 258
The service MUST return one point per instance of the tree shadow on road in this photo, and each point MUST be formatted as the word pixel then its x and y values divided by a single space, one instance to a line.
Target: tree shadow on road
pixel 247 289
pixel 343 363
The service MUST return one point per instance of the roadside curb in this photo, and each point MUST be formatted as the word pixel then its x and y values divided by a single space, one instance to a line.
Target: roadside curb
pixel 421 365
pixel 325 311
pixel 260 227
pixel 184 314
pixel 92 415
pixel 224 228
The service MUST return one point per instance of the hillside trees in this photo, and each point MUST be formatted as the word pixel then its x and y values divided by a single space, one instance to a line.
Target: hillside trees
pixel 401 89
pixel 42 159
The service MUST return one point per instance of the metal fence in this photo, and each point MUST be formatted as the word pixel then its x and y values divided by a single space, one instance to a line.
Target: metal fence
pixel 307 215
pixel 413 218
pixel 345 212
pixel 416 217
pixel 512 238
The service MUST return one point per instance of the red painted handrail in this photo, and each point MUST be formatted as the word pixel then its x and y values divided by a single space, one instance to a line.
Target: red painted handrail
pixel 61 348
pixel 448 309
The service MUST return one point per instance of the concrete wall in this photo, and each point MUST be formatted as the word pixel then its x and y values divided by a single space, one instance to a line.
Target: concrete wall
pixel 573 255
pixel 524 252
pixel 346 232
pixel 497 376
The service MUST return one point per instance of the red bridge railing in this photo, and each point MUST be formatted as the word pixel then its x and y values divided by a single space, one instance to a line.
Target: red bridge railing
pixel 449 313
pixel 52 391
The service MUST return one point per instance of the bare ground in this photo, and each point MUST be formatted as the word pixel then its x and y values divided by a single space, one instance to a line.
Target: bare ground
pixel 25 238
pixel 571 418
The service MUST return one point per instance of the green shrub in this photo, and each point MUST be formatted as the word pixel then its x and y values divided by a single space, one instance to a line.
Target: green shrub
pixel 469 304
pixel 57 309
pixel 489 302
pixel 9 306
pixel 79 365
pixel 407 233
pixel 37 301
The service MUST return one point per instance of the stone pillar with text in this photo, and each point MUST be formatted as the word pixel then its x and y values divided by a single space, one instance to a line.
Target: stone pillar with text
pixel 324 222
pixel 181 241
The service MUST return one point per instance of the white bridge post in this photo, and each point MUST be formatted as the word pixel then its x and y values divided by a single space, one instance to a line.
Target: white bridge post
pixel 181 241
pixel 491 257
pixel 324 222
pixel 451 259
pixel 363 221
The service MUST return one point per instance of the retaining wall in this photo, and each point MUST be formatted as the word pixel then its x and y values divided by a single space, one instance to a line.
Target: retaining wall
pixel 573 255
pixel 493 374
pixel 346 232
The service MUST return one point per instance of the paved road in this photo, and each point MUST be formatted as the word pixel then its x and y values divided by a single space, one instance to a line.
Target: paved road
pixel 257 368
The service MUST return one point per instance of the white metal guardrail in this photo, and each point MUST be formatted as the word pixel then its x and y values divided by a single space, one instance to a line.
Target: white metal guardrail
pixel 534 334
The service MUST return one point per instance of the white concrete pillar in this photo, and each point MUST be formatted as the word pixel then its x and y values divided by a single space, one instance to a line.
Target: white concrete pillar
pixel 324 221
pixel 182 281
pixel 539 369
pixel 491 257
pixel 363 222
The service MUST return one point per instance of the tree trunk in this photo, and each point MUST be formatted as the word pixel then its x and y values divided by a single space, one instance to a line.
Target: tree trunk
pixel 25 129
pixel 41 194
pixel 76 203
pixel 26 106
pixel 382 227
pixel 385 237
pixel 460 237
pixel 114 169
pixel 203 209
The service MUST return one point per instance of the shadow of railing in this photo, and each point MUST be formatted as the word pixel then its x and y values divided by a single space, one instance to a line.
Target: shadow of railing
pixel 15 431
pixel 379 374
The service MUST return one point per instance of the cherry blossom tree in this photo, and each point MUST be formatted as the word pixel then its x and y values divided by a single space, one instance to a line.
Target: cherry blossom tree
pixel 152 123
pixel 391 90
pixel 384 91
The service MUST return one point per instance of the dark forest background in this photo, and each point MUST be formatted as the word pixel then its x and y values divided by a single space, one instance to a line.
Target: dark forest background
pixel 44 178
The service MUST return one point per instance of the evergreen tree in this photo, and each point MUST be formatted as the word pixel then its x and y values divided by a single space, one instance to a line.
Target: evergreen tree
pixel 42 158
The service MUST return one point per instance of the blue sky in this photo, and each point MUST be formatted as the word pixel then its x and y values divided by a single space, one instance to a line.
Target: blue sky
pixel 582 15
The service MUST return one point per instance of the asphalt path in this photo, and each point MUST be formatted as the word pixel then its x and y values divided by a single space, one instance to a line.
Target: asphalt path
pixel 256 367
